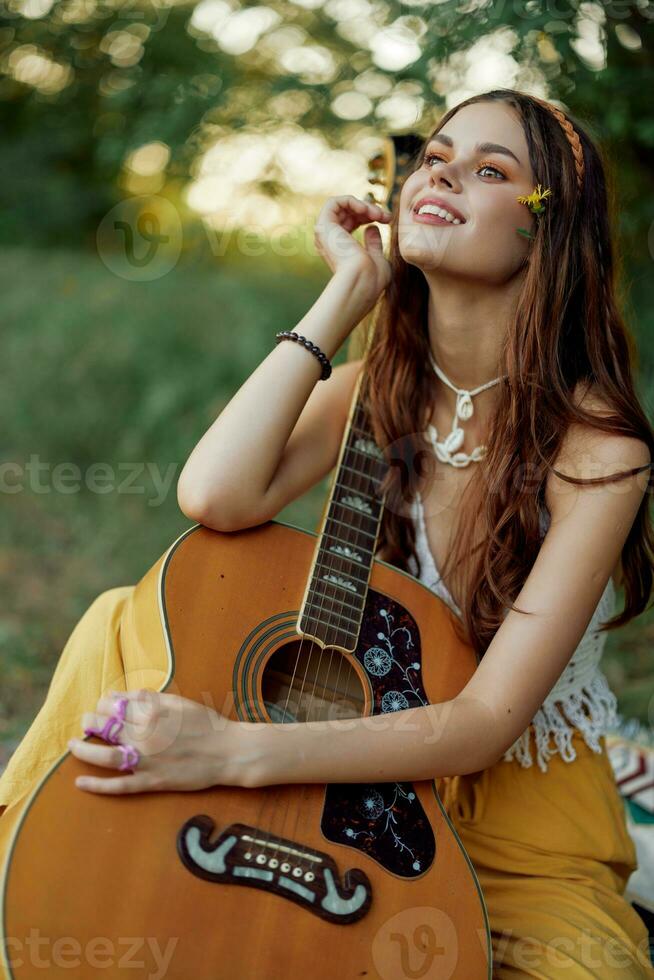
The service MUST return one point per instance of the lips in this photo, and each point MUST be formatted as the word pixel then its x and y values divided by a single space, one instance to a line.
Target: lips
pixel 441 203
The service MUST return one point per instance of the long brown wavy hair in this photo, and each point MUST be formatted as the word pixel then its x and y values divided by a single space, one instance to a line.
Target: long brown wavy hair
pixel 567 329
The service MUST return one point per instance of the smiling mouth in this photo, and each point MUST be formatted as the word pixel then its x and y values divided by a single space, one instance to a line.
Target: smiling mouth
pixel 435 212
pixel 434 219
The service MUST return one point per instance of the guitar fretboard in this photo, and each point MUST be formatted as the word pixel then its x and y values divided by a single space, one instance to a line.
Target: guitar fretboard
pixel 333 607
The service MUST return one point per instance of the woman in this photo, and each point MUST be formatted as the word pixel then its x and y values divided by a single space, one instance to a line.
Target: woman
pixel 505 284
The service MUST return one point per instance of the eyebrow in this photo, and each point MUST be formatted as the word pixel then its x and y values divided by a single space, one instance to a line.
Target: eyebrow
pixel 481 147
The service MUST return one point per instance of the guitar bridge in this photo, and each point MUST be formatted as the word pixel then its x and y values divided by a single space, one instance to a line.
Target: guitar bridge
pixel 243 855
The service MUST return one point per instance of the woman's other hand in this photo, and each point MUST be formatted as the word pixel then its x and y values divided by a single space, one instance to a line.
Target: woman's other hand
pixel 183 745
pixel 339 217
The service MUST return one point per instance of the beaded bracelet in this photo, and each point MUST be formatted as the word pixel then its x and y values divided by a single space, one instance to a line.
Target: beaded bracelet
pixel 324 360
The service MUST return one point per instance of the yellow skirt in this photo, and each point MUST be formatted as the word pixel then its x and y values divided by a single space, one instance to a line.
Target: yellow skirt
pixel 551 850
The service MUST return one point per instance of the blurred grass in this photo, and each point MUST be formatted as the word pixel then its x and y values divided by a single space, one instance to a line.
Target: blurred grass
pixel 104 370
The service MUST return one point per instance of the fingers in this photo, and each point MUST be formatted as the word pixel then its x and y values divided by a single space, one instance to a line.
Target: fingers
pixel 126 733
pixel 138 711
pixel 339 217
pixel 361 207
pixel 141 695
pixel 110 757
pixel 351 212
pixel 108 705
pixel 137 783
pixel 105 756
pixel 373 239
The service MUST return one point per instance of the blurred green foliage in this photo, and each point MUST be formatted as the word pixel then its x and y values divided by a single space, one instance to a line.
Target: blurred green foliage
pixel 64 147
pixel 123 374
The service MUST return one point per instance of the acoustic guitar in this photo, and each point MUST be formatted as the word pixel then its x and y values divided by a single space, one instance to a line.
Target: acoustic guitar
pixel 269 624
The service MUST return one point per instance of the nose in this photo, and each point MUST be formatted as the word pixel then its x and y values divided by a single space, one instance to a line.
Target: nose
pixel 441 175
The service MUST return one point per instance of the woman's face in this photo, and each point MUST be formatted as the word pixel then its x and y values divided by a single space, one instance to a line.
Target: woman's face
pixel 482 186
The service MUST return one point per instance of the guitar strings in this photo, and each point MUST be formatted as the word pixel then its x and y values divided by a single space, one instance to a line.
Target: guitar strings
pixel 319 565
pixel 369 478
pixel 370 488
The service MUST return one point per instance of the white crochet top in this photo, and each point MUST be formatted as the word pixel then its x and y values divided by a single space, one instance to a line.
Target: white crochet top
pixel 581 685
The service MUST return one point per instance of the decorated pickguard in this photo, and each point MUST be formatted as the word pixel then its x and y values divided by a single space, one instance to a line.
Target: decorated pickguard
pixel 385 820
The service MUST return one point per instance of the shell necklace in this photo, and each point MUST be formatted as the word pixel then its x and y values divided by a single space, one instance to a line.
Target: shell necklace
pixel 447 451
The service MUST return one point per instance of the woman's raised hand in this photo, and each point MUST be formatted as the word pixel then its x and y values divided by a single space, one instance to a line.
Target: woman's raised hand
pixel 339 217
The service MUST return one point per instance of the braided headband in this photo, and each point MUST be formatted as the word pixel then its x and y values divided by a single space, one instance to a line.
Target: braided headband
pixel 571 134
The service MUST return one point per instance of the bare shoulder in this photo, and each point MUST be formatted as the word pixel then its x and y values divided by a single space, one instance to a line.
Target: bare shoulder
pixel 586 452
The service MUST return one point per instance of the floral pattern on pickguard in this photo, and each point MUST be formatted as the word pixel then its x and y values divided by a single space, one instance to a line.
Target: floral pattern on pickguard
pixel 385 820
pixel 389 650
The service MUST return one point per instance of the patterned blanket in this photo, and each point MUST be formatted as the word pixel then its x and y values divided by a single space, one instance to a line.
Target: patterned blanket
pixel 630 747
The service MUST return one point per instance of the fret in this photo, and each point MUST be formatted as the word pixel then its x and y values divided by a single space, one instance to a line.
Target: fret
pixel 332 558
pixel 368 446
pixel 375 471
pixel 342 502
pixel 367 442
pixel 368 526
pixel 314 594
pixel 357 530
pixel 366 476
pixel 357 502
pixel 347 515
pixel 341 551
pixel 358 572
pixel 360 422
pixel 361 444
pixel 338 589
pixel 350 476
pixel 344 624
pixel 314 591
pixel 314 624
pixel 353 449
pixel 332 621
pixel 353 601
pixel 329 631
pixel 364 551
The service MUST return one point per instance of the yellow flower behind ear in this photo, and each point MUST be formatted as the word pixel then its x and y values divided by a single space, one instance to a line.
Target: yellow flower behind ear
pixel 534 201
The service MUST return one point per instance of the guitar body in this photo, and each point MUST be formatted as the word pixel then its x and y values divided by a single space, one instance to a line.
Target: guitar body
pixel 276 882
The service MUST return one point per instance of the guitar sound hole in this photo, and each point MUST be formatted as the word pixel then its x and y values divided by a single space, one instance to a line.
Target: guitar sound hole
pixel 305 682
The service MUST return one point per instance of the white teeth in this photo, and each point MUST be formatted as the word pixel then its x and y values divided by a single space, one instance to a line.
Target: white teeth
pixel 441 212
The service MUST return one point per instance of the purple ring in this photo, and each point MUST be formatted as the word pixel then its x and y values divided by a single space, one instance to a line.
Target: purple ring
pixel 115 721
pixel 131 757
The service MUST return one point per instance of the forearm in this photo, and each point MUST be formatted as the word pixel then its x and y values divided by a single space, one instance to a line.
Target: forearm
pixel 236 459
pixel 444 739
